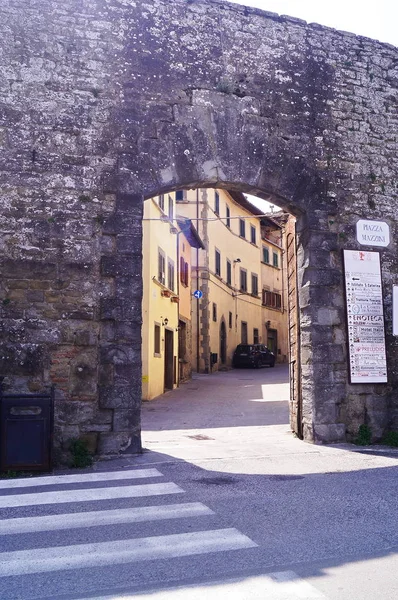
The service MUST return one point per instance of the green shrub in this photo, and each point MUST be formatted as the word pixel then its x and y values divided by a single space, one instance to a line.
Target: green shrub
pixel 364 437
pixel 81 457
pixel 391 439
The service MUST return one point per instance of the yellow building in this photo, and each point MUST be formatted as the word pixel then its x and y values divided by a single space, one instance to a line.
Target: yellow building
pixel 274 287
pixel 232 274
pixel 166 303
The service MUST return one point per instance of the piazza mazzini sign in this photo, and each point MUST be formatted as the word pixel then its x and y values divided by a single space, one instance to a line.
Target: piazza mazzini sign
pixel 365 317
pixel 373 233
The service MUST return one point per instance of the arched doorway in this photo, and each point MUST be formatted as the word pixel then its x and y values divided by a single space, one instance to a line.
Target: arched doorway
pixel 264 112
pixel 223 343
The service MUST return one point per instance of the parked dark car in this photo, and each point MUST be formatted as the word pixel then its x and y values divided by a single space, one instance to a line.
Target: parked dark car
pixel 253 355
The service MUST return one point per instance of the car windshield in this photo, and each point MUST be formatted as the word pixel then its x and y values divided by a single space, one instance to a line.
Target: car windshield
pixel 243 348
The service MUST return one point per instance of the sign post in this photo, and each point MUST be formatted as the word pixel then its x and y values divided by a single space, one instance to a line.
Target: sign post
pixel 366 339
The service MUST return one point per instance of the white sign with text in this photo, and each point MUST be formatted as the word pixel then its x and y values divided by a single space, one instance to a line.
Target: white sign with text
pixel 366 339
pixel 395 309
pixel 373 233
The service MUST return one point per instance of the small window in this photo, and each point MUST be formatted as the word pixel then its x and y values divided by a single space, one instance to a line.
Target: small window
pixel 218 263
pixel 265 255
pixel 161 267
pixel 275 259
pixel 182 270
pixel 179 196
pixel 272 299
pixel 255 336
pixel 229 272
pixel 252 234
pixel 157 339
pixel 186 274
pixel 170 274
pixel 217 203
pixel 214 311
pixel 228 219
pixel 242 228
pixel 161 202
pixel 243 332
pixel 230 320
pixel 254 284
pixel 243 280
pixel 171 208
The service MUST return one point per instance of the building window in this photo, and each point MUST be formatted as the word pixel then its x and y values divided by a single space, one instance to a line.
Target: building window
pixel 243 280
pixel 242 228
pixel 252 234
pixel 265 255
pixel 179 196
pixel 230 320
pixel 214 311
pixel 229 272
pixel 228 219
pixel 171 208
pixel 184 272
pixel 272 299
pixel 161 202
pixel 218 263
pixel 161 267
pixel 275 259
pixel 170 274
pixel 157 339
pixel 254 284
pixel 217 203
pixel 256 338
pixel 243 332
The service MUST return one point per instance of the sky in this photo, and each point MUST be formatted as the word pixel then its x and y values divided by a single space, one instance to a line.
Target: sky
pixel 377 20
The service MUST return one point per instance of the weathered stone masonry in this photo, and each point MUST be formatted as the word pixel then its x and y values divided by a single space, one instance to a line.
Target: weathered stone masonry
pixel 104 102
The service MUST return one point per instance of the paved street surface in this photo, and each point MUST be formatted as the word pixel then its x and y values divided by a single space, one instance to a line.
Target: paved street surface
pixel 224 504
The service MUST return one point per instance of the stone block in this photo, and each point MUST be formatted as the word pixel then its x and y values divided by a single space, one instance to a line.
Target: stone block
pixel 118 396
pixel 126 420
pixel 113 443
pixel 329 434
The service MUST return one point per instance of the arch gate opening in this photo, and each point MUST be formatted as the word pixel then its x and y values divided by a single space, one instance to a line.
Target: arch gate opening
pixel 137 99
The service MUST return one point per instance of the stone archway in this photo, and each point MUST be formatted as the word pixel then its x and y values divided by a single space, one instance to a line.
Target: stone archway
pixel 142 98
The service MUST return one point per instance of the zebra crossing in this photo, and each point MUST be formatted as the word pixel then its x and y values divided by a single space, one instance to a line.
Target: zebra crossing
pixel 106 502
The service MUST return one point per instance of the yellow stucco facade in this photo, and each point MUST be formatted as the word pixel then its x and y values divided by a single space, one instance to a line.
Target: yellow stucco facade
pixel 231 273
pixel 166 303
pixel 216 242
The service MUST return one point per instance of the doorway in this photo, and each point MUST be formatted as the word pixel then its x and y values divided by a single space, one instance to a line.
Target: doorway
pixel 168 359
pixel 223 343
pixel 272 341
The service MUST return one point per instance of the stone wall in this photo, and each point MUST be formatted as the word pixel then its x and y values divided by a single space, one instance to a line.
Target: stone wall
pixel 104 102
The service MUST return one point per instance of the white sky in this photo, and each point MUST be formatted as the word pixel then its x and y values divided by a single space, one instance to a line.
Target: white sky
pixel 376 20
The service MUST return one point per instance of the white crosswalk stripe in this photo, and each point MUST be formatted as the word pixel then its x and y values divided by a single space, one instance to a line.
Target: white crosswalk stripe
pixel 104 517
pixel 286 585
pixel 82 478
pixel 90 494
pixel 42 560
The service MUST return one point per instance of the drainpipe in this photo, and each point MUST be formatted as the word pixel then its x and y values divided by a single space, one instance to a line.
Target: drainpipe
pixel 197 283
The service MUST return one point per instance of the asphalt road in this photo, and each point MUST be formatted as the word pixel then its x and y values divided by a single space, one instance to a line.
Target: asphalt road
pixel 224 503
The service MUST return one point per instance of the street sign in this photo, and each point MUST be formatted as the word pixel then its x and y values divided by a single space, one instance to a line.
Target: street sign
pixel 395 309
pixel 198 294
pixel 366 339
pixel 373 233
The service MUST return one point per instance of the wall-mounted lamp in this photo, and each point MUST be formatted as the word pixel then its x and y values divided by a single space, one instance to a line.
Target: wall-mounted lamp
pixel 267 324
pixel 237 260
pixel 164 321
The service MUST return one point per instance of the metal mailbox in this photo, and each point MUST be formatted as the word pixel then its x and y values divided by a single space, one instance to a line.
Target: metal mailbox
pixel 26 431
